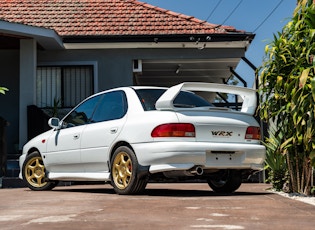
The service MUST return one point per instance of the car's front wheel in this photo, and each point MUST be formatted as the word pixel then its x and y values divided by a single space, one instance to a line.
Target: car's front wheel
pixel 125 172
pixel 33 172
pixel 227 182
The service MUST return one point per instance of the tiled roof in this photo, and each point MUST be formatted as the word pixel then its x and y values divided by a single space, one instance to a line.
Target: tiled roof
pixel 104 17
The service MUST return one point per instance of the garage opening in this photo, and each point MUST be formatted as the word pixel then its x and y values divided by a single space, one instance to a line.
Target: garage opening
pixel 169 72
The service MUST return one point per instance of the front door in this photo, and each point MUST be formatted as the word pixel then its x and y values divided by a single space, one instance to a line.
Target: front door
pixel 63 150
pixel 63 147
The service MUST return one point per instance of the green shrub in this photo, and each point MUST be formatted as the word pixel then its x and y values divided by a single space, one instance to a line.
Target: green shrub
pixel 276 166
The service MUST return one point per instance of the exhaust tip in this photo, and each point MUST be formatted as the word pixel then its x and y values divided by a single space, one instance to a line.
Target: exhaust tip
pixel 198 170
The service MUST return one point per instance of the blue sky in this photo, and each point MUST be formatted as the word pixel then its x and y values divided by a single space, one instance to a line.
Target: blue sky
pixel 248 15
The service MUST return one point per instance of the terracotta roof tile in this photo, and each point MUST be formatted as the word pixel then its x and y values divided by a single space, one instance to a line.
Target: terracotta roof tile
pixel 104 17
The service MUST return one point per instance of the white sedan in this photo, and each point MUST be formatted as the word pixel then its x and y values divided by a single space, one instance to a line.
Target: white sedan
pixel 131 135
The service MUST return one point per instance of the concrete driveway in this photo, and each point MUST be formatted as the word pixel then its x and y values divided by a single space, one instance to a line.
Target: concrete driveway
pixel 163 206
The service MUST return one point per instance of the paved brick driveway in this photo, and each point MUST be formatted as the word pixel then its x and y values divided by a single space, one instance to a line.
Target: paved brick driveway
pixel 163 206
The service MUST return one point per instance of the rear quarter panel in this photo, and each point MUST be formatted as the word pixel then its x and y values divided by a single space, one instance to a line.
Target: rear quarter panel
pixel 139 126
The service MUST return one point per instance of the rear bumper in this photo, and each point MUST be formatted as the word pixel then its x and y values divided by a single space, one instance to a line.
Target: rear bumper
pixel 170 156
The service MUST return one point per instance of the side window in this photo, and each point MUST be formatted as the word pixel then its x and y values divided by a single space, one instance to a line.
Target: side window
pixel 82 114
pixel 112 106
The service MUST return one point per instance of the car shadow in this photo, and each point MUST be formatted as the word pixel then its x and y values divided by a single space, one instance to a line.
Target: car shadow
pixel 160 192
pixel 196 193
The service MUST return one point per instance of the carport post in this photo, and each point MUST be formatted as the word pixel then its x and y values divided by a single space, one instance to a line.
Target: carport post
pixel 28 59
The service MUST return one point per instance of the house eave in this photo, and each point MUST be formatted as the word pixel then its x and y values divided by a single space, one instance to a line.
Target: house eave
pixel 46 38
pixel 160 38
pixel 164 45
pixel 199 41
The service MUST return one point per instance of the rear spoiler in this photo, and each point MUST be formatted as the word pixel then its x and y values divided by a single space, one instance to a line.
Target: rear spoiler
pixel 165 102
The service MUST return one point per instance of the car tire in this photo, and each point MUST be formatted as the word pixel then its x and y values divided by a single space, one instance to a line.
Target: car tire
pixel 34 173
pixel 228 182
pixel 124 172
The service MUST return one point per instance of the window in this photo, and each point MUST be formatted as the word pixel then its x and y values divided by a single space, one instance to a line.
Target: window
pixel 82 114
pixel 190 100
pixel 112 106
pixel 103 107
pixel 65 85
pixel 148 98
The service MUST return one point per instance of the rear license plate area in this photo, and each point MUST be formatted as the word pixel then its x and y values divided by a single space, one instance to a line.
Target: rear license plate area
pixel 223 157
pixel 222 152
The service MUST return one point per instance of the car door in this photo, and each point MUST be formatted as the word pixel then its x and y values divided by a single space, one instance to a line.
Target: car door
pixel 63 146
pixel 106 124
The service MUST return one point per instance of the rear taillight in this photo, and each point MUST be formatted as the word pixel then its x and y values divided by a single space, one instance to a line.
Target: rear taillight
pixel 174 130
pixel 253 133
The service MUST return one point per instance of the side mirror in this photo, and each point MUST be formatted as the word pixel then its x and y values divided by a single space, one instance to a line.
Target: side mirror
pixel 54 123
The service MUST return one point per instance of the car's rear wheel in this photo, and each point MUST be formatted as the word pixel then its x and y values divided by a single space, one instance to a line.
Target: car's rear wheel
pixel 125 172
pixel 34 173
pixel 227 182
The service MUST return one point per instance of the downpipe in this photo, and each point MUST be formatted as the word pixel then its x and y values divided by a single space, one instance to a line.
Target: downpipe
pixel 198 170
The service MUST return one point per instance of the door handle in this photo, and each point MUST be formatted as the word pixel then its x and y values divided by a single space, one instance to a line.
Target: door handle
pixel 76 136
pixel 113 130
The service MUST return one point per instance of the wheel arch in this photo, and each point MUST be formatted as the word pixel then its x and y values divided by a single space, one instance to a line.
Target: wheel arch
pixel 31 150
pixel 117 145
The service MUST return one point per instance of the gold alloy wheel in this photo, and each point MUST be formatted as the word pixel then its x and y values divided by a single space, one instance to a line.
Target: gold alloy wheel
pixel 122 170
pixel 35 172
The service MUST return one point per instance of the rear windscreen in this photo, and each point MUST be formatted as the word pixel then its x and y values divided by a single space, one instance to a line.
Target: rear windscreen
pixel 148 98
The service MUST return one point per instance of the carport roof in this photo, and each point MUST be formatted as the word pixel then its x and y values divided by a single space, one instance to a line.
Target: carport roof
pixel 71 18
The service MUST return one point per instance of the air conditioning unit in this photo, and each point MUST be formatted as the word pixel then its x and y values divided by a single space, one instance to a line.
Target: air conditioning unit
pixel 137 66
